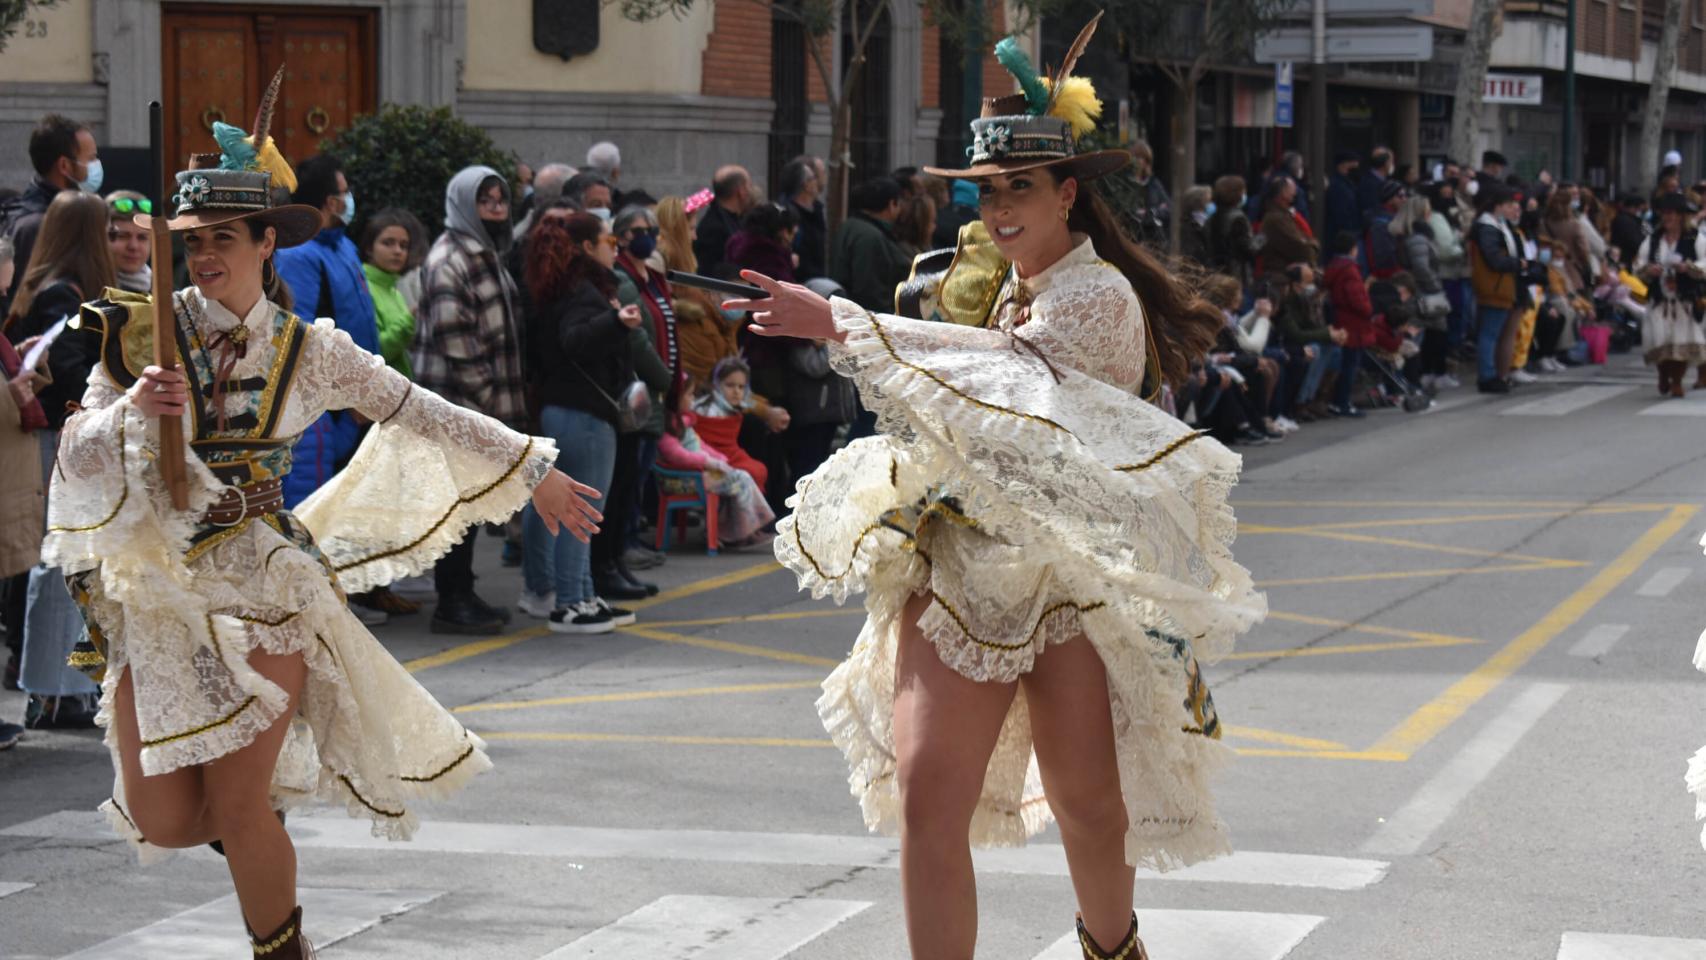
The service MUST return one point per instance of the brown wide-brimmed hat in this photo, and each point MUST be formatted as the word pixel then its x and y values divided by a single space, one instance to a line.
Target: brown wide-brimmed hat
pixel 1006 139
pixel 209 195
pixel 1039 127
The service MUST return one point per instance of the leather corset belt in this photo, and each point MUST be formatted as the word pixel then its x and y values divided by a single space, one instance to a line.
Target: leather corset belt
pixel 246 501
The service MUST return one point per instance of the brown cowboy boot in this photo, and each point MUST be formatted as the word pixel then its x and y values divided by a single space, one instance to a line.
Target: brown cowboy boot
pixel 285 943
pixel 1131 948
pixel 1664 378
pixel 1700 378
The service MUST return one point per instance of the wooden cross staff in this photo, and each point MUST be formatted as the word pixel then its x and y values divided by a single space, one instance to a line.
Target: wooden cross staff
pixel 171 461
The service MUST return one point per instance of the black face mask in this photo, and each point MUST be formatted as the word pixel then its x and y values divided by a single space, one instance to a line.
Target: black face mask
pixel 497 230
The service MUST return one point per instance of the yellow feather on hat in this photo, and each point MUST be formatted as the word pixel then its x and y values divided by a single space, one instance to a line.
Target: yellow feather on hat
pixel 1076 103
pixel 268 159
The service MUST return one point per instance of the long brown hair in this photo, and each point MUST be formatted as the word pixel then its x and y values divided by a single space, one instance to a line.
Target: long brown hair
pixel 1182 325
pixel 72 245
pixel 675 235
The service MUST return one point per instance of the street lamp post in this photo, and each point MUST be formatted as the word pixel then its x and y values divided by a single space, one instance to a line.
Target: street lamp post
pixel 1569 166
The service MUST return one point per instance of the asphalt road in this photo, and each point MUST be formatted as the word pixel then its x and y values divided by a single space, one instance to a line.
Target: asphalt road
pixel 1463 732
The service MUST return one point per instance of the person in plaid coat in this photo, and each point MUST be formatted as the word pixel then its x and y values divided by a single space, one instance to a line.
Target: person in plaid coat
pixel 468 350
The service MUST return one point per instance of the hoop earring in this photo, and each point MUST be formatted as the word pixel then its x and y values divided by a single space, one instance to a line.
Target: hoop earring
pixel 269 275
pixel 1065 214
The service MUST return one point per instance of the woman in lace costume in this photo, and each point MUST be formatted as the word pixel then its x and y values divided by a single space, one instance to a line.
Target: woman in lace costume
pixel 236 682
pixel 1026 523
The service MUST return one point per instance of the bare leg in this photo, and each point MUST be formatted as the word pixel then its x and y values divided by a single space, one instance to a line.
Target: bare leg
pixel 1073 731
pixel 945 728
pixel 170 810
pixel 257 850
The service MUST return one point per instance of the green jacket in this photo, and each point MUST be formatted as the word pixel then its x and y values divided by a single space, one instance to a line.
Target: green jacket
pixel 865 259
pixel 391 314
pixel 1300 322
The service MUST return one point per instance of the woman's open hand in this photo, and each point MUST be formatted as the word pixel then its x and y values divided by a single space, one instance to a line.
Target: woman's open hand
pixel 563 502
pixel 160 393
pixel 790 311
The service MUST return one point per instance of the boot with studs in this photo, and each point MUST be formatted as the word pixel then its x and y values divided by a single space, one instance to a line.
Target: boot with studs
pixel 1130 948
pixel 288 943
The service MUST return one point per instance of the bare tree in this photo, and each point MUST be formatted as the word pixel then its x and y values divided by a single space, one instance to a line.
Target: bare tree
pixel 1485 21
pixel 819 19
pixel 1658 93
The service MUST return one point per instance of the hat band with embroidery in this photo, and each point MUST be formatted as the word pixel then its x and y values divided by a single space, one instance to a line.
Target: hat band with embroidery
pixel 1019 137
pixel 222 190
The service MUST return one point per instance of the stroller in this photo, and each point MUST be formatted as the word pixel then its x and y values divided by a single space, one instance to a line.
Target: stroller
pixel 1392 312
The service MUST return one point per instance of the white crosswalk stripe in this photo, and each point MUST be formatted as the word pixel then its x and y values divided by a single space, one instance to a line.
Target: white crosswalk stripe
pixel 1608 946
pixel 1693 405
pixel 334 831
pixel 1599 641
pixel 1663 582
pixel 214 930
pixel 7 889
pixel 1207 935
pixel 1564 402
pixel 713 928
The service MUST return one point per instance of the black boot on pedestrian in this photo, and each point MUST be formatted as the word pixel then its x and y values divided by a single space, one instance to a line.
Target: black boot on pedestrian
pixel 502 613
pixel 463 613
pixel 1494 385
pixel 628 575
pixel 608 583
pixel 1131 948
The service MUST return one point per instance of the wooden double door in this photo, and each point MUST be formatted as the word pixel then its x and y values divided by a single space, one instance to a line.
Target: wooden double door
pixel 218 59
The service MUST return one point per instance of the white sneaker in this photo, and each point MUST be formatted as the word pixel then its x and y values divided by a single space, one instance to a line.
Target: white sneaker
pixel 1446 381
pixel 536 605
pixel 1523 377
pixel 1552 365
pixel 1287 424
pixel 583 617
pixel 618 616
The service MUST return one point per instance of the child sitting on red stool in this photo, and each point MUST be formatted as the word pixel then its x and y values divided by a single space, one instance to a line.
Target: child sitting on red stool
pixel 720 411
pixel 742 513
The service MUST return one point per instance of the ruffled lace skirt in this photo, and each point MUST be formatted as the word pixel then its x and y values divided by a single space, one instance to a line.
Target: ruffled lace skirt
pixel 1670 332
pixel 1023 535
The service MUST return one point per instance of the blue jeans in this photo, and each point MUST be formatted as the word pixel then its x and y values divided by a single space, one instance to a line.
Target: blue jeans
pixel 1326 358
pixel 586 450
pixel 1350 361
pixel 1462 304
pixel 1493 321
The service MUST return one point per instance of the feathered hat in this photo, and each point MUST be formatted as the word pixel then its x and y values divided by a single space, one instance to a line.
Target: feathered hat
pixel 237 182
pixel 1039 126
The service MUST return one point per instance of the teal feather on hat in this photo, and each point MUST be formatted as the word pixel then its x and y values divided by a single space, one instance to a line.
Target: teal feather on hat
pixel 1020 66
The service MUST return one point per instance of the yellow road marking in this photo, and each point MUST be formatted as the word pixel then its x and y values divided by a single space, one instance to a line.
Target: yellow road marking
pixel 651 738
pixel 759 618
pixel 1347 648
pixel 1410 544
pixel 490 644
pixel 633 695
pixel 1433 717
pixel 1405 574
pixel 1372 755
pixel 1368 628
pixel 1282 739
pixel 1490 504
pixel 746 649
pixel 1462 518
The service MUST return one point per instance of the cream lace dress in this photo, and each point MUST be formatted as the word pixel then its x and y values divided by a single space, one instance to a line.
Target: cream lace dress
pixel 182 610
pixel 1031 510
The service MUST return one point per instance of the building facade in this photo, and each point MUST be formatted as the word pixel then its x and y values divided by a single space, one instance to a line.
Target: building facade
pixel 1616 46
pixel 729 82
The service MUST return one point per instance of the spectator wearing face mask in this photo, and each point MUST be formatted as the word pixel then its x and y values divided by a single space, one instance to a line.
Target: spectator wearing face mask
pixel 592 193
pixel 1231 249
pixel 132 243
pixel 65 157
pixel 468 351
pixel 1285 240
pixel 326 279
pixel 1197 203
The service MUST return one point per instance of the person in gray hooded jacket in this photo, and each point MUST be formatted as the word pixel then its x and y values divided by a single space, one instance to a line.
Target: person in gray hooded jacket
pixel 468 351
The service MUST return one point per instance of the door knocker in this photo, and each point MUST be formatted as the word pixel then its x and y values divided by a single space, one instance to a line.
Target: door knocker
pixel 210 116
pixel 318 120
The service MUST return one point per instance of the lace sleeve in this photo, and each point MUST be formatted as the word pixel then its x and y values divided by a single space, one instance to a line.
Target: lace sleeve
pixel 427 470
pixel 1091 321
pixel 107 502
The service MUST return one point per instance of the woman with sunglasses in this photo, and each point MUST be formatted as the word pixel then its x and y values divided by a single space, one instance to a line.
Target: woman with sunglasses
pixel 580 346
pixel 132 244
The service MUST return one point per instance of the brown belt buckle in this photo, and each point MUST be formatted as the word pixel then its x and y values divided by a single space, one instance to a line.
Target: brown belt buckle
pixel 242 507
